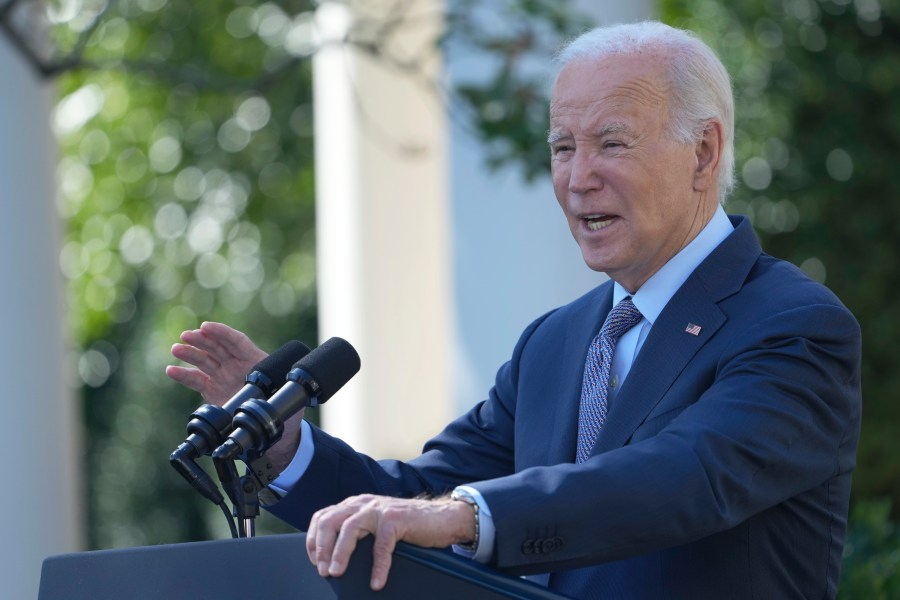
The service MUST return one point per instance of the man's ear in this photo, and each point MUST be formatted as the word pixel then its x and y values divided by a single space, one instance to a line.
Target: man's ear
pixel 708 153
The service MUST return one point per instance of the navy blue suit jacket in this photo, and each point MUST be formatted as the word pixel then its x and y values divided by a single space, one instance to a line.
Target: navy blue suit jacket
pixel 723 470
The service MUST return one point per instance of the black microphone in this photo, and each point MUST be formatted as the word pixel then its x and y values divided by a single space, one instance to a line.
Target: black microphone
pixel 210 424
pixel 258 424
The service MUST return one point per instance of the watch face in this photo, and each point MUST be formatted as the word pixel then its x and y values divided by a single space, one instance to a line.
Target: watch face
pixel 464 496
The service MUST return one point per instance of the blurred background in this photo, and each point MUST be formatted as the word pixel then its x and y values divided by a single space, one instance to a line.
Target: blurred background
pixel 374 169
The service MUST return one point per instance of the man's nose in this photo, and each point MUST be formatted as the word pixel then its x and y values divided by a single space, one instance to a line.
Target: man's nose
pixel 583 174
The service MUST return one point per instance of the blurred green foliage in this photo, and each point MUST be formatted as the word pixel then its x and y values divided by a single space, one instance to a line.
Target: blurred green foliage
pixel 187 186
pixel 871 554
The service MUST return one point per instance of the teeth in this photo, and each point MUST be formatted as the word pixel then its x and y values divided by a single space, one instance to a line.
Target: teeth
pixel 596 223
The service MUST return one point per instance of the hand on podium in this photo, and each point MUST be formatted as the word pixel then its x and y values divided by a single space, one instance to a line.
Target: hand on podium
pixel 335 530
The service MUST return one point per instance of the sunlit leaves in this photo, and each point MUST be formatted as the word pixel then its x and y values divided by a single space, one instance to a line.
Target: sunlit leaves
pixel 164 181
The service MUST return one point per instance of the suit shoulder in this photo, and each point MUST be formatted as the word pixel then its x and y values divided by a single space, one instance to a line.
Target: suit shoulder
pixel 783 283
pixel 777 289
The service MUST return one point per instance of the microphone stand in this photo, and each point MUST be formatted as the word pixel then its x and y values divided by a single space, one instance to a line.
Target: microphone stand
pixel 258 424
pixel 244 491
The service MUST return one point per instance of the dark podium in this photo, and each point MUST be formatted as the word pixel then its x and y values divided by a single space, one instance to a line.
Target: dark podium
pixel 270 567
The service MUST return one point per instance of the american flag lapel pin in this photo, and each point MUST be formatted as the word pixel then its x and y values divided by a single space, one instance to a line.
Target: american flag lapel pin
pixel 693 329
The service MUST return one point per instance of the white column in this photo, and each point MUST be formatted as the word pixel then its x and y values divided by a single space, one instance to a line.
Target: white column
pixel 41 506
pixel 384 268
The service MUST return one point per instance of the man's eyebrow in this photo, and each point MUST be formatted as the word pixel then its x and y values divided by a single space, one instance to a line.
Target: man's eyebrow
pixel 607 129
pixel 555 136
pixel 612 128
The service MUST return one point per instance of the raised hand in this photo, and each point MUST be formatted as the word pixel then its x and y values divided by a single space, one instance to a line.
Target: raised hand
pixel 221 358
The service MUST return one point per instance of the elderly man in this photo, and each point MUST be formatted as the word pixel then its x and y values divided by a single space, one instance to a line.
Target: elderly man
pixel 687 429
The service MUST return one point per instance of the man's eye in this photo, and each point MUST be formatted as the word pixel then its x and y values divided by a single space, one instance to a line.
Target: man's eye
pixel 561 149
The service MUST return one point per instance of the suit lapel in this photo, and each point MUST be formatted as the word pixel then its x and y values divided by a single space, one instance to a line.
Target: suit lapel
pixel 669 348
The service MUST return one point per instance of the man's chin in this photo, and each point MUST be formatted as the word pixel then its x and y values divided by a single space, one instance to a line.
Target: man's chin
pixel 596 264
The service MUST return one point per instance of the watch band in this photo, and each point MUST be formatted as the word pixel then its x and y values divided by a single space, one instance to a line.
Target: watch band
pixel 464 496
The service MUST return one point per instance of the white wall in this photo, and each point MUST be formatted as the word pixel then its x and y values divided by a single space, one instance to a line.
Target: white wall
pixel 41 505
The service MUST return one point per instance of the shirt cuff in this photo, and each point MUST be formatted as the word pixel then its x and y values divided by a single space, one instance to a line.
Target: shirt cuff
pixel 484 552
pixel 295 470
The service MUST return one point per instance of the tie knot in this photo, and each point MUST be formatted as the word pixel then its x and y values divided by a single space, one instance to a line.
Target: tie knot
pixel 621 318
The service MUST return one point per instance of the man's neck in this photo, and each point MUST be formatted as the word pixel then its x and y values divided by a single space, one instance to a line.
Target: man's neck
pixel 653 294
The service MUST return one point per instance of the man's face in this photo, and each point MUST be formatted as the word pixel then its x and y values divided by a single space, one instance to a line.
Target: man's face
pixel 628 191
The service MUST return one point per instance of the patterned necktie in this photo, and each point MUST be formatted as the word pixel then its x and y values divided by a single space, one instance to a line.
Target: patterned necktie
pixel 595 387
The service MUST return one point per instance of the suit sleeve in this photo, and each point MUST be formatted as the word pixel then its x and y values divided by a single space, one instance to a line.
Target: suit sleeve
pixel 477 446
pixel 781 417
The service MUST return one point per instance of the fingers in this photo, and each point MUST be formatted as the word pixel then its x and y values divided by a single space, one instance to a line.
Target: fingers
pixel 222 356
pixel 324 528
pixel 329 527
pixel 356 528
pixel 191 378
pixel 353 529
pixel 197 339
pixel 195 356
pixel 334 531
pixel 382 554
pixel 311 532
pixel 230 340
pixel 221 343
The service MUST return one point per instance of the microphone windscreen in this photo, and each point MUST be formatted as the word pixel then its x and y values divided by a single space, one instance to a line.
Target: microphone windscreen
pixel 277 365
pixel 331 365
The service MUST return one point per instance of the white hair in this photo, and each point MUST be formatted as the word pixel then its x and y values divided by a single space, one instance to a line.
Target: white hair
pixel 701 88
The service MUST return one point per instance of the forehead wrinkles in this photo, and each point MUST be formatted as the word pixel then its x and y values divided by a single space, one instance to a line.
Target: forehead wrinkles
pixel 644 91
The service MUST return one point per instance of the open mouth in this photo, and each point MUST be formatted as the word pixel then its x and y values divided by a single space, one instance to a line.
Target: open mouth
pixel 598 222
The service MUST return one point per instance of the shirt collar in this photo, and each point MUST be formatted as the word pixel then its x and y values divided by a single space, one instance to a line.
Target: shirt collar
pixel 656 292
